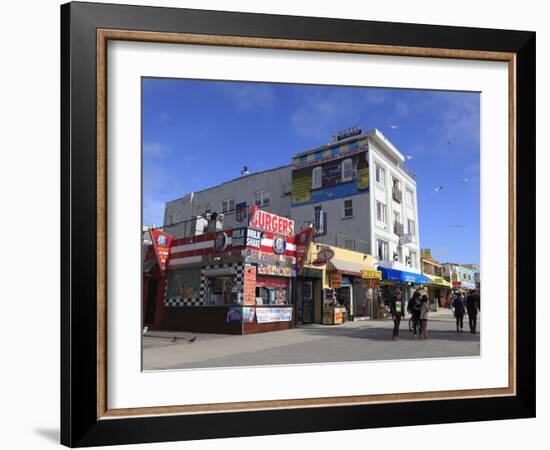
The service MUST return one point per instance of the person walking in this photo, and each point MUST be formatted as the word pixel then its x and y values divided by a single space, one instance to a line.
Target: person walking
pixel 397 312
pixel 413 309
pixel 459 309
pixel 473 308
pixel 424 308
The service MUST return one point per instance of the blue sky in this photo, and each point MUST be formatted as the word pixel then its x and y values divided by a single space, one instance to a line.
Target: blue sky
pixel 199 133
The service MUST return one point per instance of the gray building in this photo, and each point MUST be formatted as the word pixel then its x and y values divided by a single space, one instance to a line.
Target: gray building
pixel 270 190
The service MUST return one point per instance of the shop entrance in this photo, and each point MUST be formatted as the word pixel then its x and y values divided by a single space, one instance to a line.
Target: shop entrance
pixel 306 297
pixel 151 304
pixel 362 301
pixel 344 296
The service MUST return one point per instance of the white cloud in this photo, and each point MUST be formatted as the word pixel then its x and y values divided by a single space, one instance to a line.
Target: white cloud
pixel 251 96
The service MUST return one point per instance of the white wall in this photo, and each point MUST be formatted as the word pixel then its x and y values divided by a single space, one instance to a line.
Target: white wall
pixel 29 183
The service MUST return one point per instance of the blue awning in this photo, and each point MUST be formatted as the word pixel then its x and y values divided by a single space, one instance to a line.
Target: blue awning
pixel 402 276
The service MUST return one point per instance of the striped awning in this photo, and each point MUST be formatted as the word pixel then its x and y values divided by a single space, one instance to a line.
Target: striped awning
pixel 347 267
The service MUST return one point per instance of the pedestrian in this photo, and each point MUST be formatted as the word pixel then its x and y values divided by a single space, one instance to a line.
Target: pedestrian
pixel 413 309
pixel 424 308
pixel 397 312
pixel 472 307
pixel 459 310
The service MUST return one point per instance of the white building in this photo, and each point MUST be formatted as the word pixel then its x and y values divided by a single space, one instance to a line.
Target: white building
pixel 369 196
pixel 359 180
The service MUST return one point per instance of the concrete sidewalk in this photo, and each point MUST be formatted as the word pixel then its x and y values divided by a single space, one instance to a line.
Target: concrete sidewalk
pixel 352 341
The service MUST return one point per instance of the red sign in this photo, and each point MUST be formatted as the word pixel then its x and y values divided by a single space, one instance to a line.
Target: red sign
pixel 324 255
pixel 270 222
pixel 249 285
pixel 276 282
pixel 303 238
pixel 161 243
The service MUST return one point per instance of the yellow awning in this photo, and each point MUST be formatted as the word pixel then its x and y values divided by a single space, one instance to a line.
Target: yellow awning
pixel 438 281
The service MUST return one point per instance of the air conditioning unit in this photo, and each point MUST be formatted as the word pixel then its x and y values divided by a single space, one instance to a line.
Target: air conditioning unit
pixel 215 222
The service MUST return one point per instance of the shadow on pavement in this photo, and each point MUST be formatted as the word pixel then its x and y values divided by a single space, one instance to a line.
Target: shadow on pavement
pixel 385 333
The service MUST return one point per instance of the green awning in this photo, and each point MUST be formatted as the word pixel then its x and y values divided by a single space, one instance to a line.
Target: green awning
pixel 306 272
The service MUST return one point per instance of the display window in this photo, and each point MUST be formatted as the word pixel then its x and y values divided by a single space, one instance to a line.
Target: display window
pixel 184 283
pixel 272 291
pixel 222 291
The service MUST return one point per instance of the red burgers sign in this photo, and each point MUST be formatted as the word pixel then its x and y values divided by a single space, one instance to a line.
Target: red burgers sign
pixel 270 222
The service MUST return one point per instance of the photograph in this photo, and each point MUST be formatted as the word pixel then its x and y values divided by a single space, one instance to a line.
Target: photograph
pixel 276 224
pixel 287 223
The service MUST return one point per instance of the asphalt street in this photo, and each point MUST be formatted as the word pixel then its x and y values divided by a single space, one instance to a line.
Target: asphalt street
pixel 352 341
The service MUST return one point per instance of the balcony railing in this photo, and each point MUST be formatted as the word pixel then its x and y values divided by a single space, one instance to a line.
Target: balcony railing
pixel 397 195
pixel 398 228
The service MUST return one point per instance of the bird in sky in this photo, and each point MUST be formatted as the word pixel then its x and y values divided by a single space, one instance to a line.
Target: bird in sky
pixel 394 127
pixel 244 170
pixel 437 189
pixel 450 142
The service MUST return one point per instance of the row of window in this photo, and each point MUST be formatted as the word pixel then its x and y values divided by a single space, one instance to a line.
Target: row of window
pixel 382 217
pixel 380 177
pixel 383 254
pixel 261 198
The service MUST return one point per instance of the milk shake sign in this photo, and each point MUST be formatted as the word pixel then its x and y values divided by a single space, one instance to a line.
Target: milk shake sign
pixel 270 222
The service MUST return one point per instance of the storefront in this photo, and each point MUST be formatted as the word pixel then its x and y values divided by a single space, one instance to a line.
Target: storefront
pixel 235 281
pixel 406 282
pixel 331 284
pixel 437 291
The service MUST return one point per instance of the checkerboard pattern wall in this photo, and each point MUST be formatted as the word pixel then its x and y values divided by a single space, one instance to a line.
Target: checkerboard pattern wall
pixel 238 271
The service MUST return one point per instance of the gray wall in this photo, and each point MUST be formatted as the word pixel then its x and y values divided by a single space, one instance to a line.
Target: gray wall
pixel 242 189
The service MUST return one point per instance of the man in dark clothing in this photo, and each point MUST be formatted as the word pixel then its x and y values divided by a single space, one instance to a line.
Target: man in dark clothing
pixel 413 308
pixel 458 305
pixel 396 310
pixel 473 308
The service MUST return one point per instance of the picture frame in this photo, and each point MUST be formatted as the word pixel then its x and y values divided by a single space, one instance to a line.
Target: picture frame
pixel 86 418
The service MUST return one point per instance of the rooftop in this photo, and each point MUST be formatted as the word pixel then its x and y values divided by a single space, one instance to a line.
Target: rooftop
pixel 231 181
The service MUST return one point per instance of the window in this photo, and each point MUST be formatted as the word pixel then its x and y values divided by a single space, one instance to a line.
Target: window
pixel 317 177
pixel 287 189
pixel 349 244
pixel 381 212
pixel 347 170
pixel 228 205
pixel 380 175
pixel 409 196
pixel 382 251
pixel 261 198
pixel 412 256
pixel 411 227
pixel 397 216
pixel 348 208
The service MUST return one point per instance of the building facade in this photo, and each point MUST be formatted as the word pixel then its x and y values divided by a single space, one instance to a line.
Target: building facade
pixel 355 191
pixel 368 195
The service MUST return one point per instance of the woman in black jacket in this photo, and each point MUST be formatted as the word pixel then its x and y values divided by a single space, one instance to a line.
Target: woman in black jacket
pixel 396 310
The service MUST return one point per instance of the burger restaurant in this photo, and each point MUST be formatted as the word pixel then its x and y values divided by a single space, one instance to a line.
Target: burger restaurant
pixel 236 281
